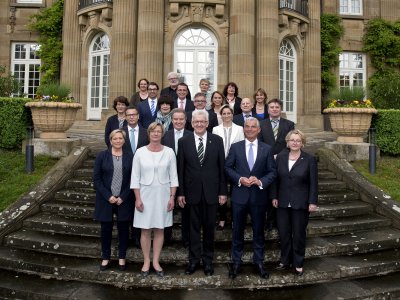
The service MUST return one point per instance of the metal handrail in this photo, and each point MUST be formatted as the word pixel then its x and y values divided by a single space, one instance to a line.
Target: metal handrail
pixel 300 6
pixel 85 3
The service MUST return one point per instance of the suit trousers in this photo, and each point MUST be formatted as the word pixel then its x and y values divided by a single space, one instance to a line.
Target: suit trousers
pixel 106 237
pixel 292 225
pixel 202 216
pixel 239 216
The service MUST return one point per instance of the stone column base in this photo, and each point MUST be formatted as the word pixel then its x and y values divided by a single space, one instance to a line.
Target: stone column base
pixel 351 151
pixel 53 147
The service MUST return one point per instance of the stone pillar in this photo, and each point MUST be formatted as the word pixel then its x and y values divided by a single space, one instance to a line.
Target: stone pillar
pixel 241 46
pixel 267 48
pixel 123 49
pixel 150 39
pixel 71 61
pixel 390 10
pixel 312 70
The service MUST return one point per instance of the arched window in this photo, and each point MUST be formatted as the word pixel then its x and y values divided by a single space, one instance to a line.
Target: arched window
pixel 287 78
pixel 196 57
pixel 99 66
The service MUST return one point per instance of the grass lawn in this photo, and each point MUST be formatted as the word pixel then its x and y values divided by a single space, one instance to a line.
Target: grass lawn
pixel 387 175
pixel 14 181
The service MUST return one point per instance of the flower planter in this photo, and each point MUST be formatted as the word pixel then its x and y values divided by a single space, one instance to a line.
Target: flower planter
pixel 53 119
pixel 350 123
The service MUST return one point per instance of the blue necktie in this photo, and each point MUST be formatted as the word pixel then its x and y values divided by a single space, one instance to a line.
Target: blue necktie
pixel 250 158
pixel 132 140
pixel 152 108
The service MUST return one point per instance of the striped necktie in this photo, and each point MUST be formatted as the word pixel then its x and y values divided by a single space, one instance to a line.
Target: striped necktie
pixel 200 151
pixel 275 127
pixel 153 107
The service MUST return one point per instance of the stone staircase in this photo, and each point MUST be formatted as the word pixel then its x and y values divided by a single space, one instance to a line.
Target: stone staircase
pixel 346 241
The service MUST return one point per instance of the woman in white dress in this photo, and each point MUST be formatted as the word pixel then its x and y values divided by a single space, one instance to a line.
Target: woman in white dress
pixel 230 133
pixel 154 181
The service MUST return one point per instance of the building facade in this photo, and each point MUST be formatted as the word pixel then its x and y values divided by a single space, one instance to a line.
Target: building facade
pixel 274 44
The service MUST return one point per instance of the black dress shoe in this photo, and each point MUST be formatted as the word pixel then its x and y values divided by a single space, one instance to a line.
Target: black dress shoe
pixel 191 268
pixel 261 271
pixel 234 270
pixel 208 269
pixel 122 267
pixel 282 267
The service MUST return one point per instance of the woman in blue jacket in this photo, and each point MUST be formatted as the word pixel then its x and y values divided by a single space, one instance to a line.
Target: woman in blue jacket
pixel 111 176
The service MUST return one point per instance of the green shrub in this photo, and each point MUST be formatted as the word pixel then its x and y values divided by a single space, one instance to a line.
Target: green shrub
pixel 8 83
pixel 387 123
pixel 14 119
pixel 384 89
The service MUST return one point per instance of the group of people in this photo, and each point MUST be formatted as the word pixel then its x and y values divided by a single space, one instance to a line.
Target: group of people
pixel 171 151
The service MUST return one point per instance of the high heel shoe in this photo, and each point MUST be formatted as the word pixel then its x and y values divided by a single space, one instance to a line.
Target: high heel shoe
pixel 105 267
pixel 159 273
pixel 145 273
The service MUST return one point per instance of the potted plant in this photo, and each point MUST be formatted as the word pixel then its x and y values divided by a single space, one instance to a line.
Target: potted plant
pixel 53 111
pixel 350 114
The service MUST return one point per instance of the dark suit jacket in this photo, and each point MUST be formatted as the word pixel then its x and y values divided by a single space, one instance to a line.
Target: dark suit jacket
pixel 169 138
pixel 195 179
pixel 188 107
pixel 168 91
pixel 143 140
pixel 239 119
pixel 254 112
pixel 236 166
pixel 212 121
pixel 299 186
pixel 267 136
pixel 236 107
pixel 145 116
pixel 112 124
pixel 102 178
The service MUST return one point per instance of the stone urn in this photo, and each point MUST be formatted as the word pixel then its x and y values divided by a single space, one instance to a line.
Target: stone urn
pixel 53 119
pixel 350 123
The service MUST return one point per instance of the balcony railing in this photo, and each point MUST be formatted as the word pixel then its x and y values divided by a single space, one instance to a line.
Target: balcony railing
pixel 85 3
pixel 300 6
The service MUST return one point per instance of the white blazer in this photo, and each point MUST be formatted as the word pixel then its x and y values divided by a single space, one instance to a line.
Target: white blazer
pixel 237 135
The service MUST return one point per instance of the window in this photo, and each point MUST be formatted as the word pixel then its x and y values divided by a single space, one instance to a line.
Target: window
pixel 287 78
pixel 30 1
pixel 99 55
pixel 25 66
pixel 351 7
pixel 352 69
pixel 196 57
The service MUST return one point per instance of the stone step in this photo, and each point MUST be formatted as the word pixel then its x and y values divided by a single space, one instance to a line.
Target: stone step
pixel 346 244
pixel 330 210
pixel 325 174
pixel 84 227
pixel 88 163
pixel 324 269
pixel 331 185
pixel 88 196
pixel 23 286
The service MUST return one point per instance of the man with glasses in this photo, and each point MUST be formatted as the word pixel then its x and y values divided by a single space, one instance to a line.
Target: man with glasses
pixel 202 187
pixel 183 100
pixel 273 132
pixel 200 104
pixel 148 108
pixel 171 90
pixel 136 137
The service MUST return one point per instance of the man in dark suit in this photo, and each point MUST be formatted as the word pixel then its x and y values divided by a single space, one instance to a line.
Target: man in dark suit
pixel 246 105
pixel 200 102
pixel 202 186
pixel 273 132
pixel 251 168
pixel 170 139
pixel 171 90
pixel 148 108
pixel 136 137
pixel 183 99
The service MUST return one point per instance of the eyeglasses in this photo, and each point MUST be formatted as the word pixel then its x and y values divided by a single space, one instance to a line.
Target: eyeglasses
pixel 132 115
pixel 199 122
pixel 295 141
pixel 173 78
pixel 152 90
pixel 200 101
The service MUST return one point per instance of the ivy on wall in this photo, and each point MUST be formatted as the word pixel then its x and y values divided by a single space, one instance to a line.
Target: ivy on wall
pixel 382 43
pixel 48 22
pixel 331 32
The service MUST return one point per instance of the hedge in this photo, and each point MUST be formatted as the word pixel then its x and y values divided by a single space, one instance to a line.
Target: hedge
pixel 387 123
pixel 14 119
